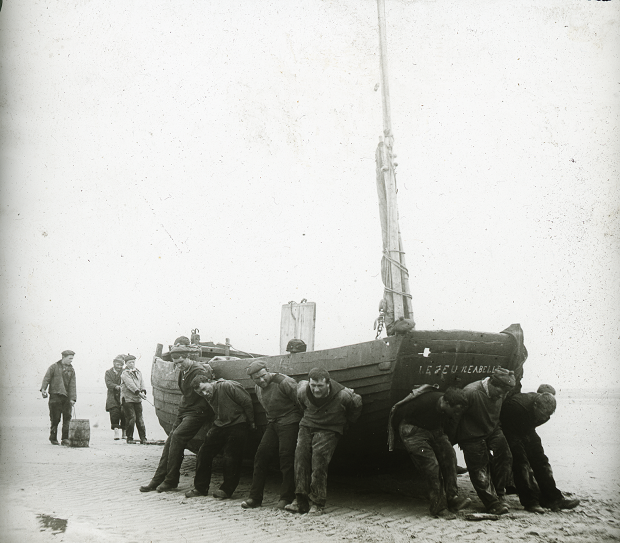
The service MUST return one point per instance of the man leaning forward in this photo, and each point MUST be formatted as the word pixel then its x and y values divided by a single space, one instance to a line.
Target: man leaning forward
pixel 328 407
pixel 277 394
pixel 234 416
pixel 193 412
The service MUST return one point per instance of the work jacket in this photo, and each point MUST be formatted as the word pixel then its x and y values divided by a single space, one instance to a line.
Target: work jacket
pixel 112 380
pixel 53 378
pixel 482 414
pixel 231 404
pixel 341 407
pixel 279 398
pixel 192 402
pixel 518 416
pixel 131 385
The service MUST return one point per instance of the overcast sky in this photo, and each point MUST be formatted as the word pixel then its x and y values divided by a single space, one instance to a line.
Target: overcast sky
pixel 197 164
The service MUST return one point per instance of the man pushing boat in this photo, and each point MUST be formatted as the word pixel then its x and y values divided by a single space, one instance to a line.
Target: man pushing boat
pixel 328 408
pixel 193 412
pixel 277 393
pixel 420 419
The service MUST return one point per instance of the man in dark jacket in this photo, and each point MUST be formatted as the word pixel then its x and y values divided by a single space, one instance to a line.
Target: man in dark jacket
pixel 420 419
pixel 60 378
pixel 234 416
pixel 193 412
pixel 277 393
pixel 328 407
pixel 520 416
pixel 113 398
pixel 479 433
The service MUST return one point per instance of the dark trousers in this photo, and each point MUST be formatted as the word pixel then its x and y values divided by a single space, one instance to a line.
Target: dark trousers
pixel 489 462
pixel 433 455
pixel 529 456
pixel 278 439
pixel 117 417
pixel 313 454
pixel 185 427
pixel 60 406
pixel 231 441
pixel 133 416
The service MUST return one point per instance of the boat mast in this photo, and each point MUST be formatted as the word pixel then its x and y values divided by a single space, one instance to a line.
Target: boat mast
pixel 396 302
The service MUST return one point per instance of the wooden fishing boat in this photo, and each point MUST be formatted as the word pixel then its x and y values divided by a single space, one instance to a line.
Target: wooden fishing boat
pixel 384 370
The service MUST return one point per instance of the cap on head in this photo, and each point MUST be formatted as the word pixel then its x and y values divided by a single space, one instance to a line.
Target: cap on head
pixel 181 349
pixel 67 353
pixel 296 346
pixel 503 378
pixel 546 403
pixel 256 366
pixel 129 357
pixel 119 358
pixel 182 340
pixel 318 374
pixel 546 388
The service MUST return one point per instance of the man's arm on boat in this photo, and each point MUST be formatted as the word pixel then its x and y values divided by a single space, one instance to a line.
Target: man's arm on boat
pixel 241 397
pixel 289 388
pixel 352 403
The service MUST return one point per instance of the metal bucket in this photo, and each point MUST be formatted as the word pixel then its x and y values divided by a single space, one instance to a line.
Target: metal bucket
pixel 79 432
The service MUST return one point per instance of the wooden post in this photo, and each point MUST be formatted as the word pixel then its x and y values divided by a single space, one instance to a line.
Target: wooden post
pixel 298 320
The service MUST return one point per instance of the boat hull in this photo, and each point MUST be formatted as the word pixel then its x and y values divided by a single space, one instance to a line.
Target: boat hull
pixel 382 371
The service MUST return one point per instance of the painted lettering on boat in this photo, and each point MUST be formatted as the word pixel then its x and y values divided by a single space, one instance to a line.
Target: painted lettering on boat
pixel 445 369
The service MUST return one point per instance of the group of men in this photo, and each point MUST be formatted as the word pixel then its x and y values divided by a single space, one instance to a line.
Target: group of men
pixel 304 424
pixel 495 427
pixel 491 421
pixel 126 391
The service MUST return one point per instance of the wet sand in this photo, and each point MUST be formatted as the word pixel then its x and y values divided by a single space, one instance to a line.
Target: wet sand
pixel 53 493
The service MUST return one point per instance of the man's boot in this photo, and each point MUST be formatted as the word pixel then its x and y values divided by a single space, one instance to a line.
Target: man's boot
pixel 117 434
pixel 53 437
pixel 124 436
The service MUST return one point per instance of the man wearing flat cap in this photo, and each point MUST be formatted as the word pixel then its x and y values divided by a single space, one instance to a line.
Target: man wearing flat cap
pixel 479 433
pixel 277 393
pixel 234 417
pixel 521 414
pixel 60 378
pixel 133 392
pixel 193 412
pixel 113 399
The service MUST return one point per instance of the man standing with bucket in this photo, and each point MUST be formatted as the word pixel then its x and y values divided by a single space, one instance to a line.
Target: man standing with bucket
pixel 60 378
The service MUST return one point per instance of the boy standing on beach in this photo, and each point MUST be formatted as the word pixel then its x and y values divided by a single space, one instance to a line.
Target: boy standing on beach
pixel 132 394
pixel 113 399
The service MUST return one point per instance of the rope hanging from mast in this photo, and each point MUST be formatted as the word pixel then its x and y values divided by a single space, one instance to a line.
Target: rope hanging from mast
pixel 396 304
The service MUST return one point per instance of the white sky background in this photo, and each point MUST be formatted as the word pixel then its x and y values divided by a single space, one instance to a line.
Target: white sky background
pixel 167 166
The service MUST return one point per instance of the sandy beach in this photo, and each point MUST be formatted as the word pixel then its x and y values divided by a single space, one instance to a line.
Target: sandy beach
pixel 52 493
